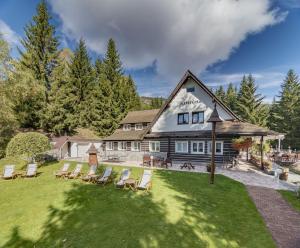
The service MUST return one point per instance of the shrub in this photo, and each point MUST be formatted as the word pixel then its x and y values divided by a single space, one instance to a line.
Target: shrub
pixel 27 144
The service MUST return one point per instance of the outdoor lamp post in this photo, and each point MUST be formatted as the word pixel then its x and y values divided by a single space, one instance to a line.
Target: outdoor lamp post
pixel 214 118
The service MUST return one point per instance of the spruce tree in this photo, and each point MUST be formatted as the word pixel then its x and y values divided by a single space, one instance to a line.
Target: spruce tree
pixel 231 98
pixel 220 93
pixel 59 117
pixel 80 83
pixel 112 64
pixel 134 101
pixel 40 44
pixel 287 110
pixel 250 104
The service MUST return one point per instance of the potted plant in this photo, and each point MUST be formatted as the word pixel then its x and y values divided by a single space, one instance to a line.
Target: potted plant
pixel 284 175
pixel 208 168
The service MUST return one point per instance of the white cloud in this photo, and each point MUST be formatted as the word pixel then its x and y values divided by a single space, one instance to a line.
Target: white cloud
pixel 8 34
pixel 178 34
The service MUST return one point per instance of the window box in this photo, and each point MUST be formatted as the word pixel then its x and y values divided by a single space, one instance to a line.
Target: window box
pixel 154 146
pixel 135 146
pixel 181 146
pixel 198 117
pixel 219 147
pixel 198 147
pixel 183 118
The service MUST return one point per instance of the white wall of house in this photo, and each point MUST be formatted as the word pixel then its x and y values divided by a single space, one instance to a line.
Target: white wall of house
pixel 189 102
pixel 79 149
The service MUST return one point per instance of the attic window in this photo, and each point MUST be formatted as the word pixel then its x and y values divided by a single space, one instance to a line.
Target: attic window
pixel 127 127
pixel 190 89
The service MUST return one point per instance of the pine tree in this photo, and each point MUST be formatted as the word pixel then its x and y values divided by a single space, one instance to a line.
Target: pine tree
pixel 156 102
pixel 81 82
pixel 287 110
pixel 231 98
pixel 59 117
pixel 220 93
pixel 40 44
pixel 250 104
pixel 133 99
pixel 112 64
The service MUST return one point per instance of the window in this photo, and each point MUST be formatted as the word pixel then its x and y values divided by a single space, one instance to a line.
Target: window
pixel 190 89
pixel 181 146
pixel 122 146
pixel 135 146
pixel 198 147
pixel 198 117
pixel 139 126
pixel 127 127
pixel 154 146
pixel 183 118
pixel 109 146
pixel 219 147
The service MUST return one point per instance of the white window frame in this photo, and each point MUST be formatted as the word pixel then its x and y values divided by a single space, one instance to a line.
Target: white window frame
pixel 139 126
pixel 121 144
pixel 156 146
pixel 217 153
pixel 127 127
pixel 109 146
pixel 183 142
pixel 133 147
pixel 197 142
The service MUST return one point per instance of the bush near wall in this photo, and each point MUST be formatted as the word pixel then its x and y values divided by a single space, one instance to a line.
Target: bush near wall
pixel 255 160
pixel 27 145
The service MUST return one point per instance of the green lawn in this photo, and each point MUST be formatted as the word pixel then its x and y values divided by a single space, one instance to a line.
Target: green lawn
pixel 292 198
pixel 182 210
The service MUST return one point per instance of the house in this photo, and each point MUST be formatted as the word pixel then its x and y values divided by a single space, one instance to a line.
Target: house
pixel 179 130
pixel 75 146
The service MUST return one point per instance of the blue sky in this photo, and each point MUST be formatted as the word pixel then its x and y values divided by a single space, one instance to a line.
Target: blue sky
pixel 219 48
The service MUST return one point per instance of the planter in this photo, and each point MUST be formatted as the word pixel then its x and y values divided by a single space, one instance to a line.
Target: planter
pixel 283 176
pixel 208 168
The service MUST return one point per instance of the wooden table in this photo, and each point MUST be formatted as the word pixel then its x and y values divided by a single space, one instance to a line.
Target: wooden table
pixel 130 183
pixel 187 165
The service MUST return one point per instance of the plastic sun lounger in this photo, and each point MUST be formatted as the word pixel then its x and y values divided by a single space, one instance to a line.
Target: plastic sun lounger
pixel 91 175
pixel 63 171
pixel 145 183
pixel 125 174
pixel 31 170
pixel 76 172
pixel 9 172
pixel 105 177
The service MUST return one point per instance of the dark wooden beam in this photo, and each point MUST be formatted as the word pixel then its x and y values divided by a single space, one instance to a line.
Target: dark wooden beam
pixel 261 152
pixel 213 147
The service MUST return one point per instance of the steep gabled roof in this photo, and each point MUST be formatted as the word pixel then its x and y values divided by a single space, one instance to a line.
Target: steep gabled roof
pixel 187 76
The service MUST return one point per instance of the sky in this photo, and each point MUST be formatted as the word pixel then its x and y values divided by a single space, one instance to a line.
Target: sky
pixel 158 40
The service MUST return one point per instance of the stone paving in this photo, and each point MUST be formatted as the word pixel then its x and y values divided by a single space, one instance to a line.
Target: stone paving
pixel 281 219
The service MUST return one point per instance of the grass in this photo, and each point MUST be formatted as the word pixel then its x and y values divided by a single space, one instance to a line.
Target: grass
pixel 182 210
pixel 291 197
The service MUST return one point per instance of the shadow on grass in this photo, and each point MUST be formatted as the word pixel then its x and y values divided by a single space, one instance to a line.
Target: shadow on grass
pixel 94 216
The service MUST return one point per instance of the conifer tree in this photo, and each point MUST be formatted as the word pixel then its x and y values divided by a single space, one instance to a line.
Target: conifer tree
pixel 133 99
pixel 80 83
pixel 40 44
pixel 220 93
pixel 59 117
pixel 250 104
pixel 112 64
pixel 231 98
pixel 287 110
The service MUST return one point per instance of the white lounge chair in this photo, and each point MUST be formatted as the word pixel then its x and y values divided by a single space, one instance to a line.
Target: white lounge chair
pixel 9 172
pixel 31 170
pixel 76 172
pixel 91 174
pixel 105 177
pixel 145 183
pixel 64 170
pixel 125 174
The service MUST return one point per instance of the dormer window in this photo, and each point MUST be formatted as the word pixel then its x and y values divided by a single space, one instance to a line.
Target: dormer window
pixel 139 126
pixel 127 127
pixel 190 89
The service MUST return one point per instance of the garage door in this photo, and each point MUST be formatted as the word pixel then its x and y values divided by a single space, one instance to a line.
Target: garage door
pixel 82 149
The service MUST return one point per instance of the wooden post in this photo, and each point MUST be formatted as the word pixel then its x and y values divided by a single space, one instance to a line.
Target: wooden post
pixel 213 147
pixel 169 148
pixel 261 152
